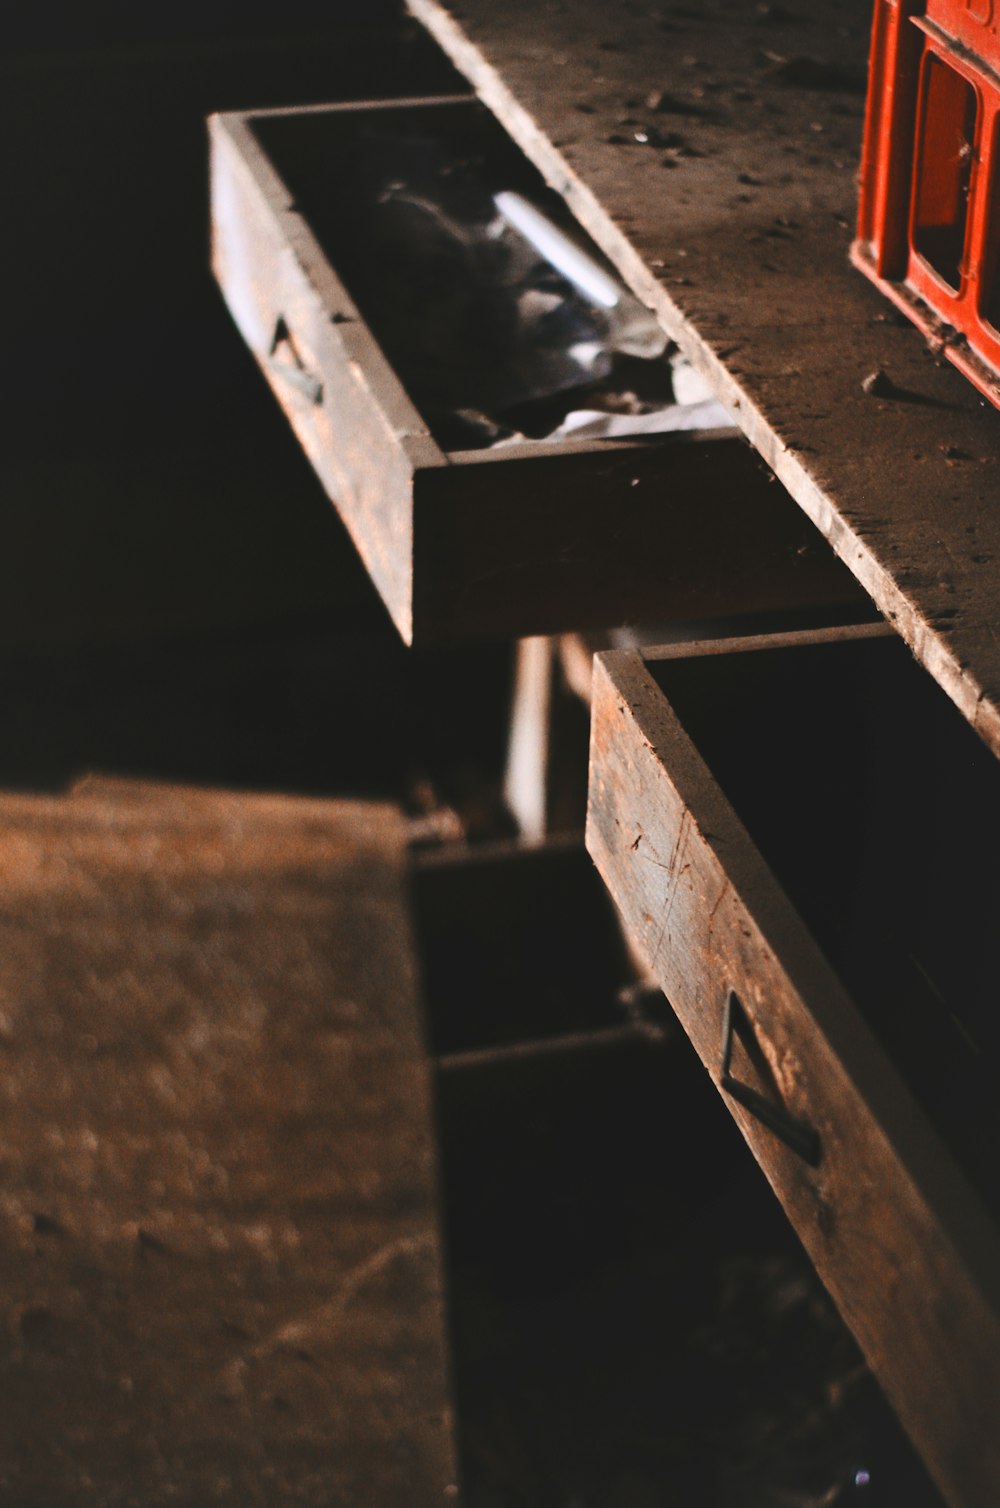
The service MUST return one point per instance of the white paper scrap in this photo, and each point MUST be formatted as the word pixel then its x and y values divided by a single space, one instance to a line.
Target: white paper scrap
pixel 594 424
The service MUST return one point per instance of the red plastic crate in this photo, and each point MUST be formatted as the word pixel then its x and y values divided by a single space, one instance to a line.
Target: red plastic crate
pixel 929 217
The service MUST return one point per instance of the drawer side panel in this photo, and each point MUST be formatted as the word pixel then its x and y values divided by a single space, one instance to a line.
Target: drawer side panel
pixel 906 1254
pixel 313 359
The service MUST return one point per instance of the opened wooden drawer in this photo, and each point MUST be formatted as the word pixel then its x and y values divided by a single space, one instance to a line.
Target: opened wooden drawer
pixel 527 537
pixel 801 835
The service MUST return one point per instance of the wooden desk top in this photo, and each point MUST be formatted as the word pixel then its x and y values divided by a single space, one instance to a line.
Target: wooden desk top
pixel 711 149
pixel 220 1259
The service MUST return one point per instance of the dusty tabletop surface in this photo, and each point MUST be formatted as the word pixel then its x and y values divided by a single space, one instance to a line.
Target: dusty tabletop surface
pixel 218 1242
pixel 712 151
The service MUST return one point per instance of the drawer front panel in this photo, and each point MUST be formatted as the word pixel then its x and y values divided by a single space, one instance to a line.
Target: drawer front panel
pixel 689 528
pixel 904 1248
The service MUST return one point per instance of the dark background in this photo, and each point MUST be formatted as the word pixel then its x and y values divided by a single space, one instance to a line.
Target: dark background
pixel 177 596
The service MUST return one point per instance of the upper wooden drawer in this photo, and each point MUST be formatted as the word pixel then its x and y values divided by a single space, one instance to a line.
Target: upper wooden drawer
pixel 805 829
pixel 524 538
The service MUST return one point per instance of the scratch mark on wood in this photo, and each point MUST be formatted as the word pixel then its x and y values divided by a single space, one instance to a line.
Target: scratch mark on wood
pixel 726 886
pixel 674 869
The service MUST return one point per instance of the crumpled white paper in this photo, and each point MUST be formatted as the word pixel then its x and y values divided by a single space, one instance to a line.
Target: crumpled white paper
pixel 594 424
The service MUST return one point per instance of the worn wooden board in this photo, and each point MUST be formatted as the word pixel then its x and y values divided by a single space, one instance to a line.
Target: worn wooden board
pixel 362 437
pixel 220 1266
pixel 504 542
pixel 589 537
pixel 905 1247
pixel 733 220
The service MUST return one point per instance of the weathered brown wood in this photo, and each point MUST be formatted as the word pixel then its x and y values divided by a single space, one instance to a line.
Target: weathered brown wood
pixel 517 540
pixel 905 1247
pixel 688 529
pixel 364 437
pixel 732 219
pixel 220 1264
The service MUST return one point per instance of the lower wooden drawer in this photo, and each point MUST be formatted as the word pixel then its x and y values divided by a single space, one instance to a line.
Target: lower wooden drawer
pixel 800 833
pixel 528 537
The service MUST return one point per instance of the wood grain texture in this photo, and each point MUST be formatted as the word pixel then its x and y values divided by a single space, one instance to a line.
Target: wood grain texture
pixel 362 444
pixel 733 219
pixel 592 538
pixel 898 1237
pixel 517 540
pixel 220 1262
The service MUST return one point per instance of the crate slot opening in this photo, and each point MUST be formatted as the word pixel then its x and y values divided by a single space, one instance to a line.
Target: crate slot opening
pixel 945 155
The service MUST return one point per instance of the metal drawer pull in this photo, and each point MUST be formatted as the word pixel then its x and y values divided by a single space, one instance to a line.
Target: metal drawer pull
pixel 293 371
pixel 794 1133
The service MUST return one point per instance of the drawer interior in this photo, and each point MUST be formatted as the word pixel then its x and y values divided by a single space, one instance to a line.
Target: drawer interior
pixel 399 197
pixel 518 943
pixel 633 1321
pixel 878 810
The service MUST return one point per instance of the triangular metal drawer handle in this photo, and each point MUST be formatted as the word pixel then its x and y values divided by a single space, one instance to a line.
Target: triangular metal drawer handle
pixel 793 1132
